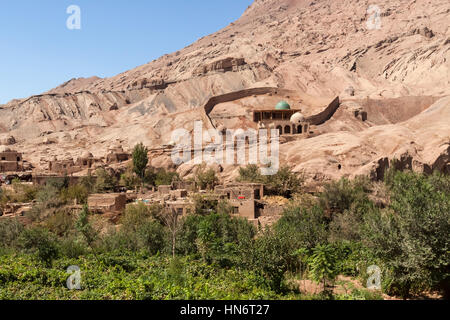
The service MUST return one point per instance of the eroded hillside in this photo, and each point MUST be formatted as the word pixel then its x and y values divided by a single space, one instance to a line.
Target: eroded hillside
pixel 322 48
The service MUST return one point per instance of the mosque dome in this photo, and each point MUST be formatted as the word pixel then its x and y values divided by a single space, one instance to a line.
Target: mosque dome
pixel 283 105
pixel 297 118
pixel 87 155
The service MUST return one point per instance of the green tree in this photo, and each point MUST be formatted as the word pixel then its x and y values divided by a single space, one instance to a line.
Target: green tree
pixel 324 266
pixel 206 179
pixel 140 160
pixel 129 178
pixel 204 204
pixel 85 229
pixel 164 177
pixel 283 183
pixel 140 231
pixel 250 173
pixel 339 196
pixel 269 255
pixel 304 228
pixel 105 181
pixel 411 236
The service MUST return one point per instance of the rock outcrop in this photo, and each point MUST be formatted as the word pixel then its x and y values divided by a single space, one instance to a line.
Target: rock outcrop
pixel 390 76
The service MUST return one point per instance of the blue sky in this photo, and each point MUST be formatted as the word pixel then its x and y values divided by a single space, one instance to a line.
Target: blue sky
pixel 38 52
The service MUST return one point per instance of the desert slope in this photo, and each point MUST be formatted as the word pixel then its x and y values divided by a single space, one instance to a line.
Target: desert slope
pixel 321 48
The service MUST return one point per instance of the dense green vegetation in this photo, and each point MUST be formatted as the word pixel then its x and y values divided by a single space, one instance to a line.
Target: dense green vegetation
pixel 401 225
pixel 283 183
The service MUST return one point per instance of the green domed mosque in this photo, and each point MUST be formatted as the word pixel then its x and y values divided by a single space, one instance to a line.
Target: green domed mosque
pixel 283 105
pixel 283 118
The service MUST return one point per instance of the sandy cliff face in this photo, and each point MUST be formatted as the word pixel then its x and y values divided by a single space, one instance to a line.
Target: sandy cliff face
pixel 321 47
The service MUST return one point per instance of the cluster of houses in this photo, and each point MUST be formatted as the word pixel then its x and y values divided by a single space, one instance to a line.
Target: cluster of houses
pixel 246 199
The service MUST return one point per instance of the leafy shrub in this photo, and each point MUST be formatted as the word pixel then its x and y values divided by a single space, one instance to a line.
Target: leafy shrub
pixel 61 223
pixel 217 238
pixel 10 231
pixel 339 196
pixel 411 237
pixel 40 242
pixel 164 177
pixel 72 248
pixel 140 230
pixel 305 228
pixel 77 192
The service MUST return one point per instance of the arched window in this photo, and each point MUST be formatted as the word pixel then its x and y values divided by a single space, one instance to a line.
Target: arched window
pixel 300 129
pixel 280 130
pixel 287 130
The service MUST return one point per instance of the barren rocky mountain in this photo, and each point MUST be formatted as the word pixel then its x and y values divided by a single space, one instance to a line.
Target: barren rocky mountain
pixel 319 49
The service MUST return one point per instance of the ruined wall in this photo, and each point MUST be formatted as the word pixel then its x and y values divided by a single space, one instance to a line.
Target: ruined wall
pixel 270 210
pixel 326 114
pixel 62 167
pixel 9 166
pixel 236 95
pixel 317 119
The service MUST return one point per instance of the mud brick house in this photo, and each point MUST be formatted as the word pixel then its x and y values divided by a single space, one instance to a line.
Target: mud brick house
pixel 104 203
pixel 117 155
pixel 63 167
pixel 244 197
pixel 10 160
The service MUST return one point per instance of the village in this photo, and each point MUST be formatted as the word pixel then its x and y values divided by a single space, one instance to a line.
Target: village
pixel 246 200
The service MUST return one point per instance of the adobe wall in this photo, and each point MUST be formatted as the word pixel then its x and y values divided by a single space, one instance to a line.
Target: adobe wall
pixel 9 166
pixel 236 95
pixel 271 210
pixel 317 119
pixel 246 208
pixel 325 115
pixel 10 156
